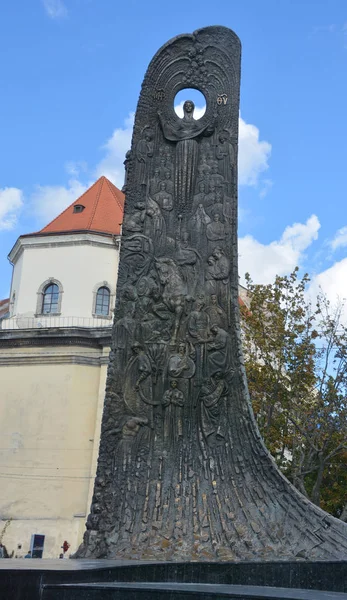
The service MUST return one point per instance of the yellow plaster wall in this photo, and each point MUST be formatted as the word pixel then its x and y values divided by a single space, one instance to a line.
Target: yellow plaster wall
pixel 49 417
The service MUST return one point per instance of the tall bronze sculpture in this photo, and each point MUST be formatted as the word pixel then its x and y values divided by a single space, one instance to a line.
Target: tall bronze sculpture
pixel 183 473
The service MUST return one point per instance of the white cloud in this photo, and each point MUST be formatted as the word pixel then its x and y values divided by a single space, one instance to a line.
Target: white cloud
pixel 265 261
pixel 266 187
pixel 331 282
pixel 340 239
pixel 74 168
pixel 253 154
pixel 55 9
pixel 11 202
pixel 115 149
pixel 48 201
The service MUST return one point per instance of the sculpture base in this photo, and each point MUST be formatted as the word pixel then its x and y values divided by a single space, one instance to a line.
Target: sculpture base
pixel 34 579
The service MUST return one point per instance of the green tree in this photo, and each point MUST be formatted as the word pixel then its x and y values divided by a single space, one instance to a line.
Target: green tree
pixel 296 363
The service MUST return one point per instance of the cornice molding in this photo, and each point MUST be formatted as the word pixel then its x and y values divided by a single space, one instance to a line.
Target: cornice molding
pixel 72 336
pixel 38 241
pixel 74 359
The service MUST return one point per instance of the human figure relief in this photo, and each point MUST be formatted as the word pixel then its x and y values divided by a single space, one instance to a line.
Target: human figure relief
pixel 199 198
pixel 210 283
pixel 165 200
pixel 219 351
pixel 216 178
pixel 154 183
pixel 215 232
pixel 136 258
pixel 228 211
pixel 212 409
pixel 138 391
pixel 198 333
pixel 169 183
pixel 188 259
pixel 173 400
pixel 225 154
pixel 210 197
pixel 123 335
pixel 144 151
pixel 155 225
pixel 163 167
pixel 218 205
pixel 185 133
pixel 134 221
pixel 181 366
pixel 198 224
pixel 215 312
pixel 174 291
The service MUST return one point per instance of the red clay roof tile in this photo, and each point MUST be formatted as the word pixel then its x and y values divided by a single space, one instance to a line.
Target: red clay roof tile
pixel 103 208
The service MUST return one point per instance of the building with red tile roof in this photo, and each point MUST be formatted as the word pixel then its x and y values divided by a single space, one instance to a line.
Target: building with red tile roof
pixel 100 209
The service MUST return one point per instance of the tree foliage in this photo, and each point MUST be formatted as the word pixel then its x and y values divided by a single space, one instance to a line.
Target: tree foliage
pixel 296 363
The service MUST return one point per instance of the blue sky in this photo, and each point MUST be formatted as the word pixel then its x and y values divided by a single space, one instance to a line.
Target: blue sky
pixel 71 71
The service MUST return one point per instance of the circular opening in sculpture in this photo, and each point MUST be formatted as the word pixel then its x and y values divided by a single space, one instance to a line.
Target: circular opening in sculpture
pixel 190 94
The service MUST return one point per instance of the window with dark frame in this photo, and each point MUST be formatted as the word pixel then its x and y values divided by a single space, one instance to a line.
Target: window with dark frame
pixel 78 208
pixel 50 299
pixel 102 304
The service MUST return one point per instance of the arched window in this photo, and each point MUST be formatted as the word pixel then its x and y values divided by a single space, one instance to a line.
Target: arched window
pixel 102 304
pixel 50 299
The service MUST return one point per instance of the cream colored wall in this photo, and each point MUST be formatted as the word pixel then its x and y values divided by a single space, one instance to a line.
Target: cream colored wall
pixel 71 259
pixel 48 416
pixel 16 284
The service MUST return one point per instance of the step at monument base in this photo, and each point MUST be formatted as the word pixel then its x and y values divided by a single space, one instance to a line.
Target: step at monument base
pixel 179 591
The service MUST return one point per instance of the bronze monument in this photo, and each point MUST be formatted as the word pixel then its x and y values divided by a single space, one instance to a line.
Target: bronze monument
pixel 183 473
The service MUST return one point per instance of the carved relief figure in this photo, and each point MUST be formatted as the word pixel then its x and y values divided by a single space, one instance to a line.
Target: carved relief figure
pixel 174 291
pixel 181 366
pixel 124 331
pixel 198 224
pixel 215 232
pixel 212 398
pixel 184 132
pixel 165 200
pixel 144 151
pixel 188 259
pixel 199 198
pixel 210 198
pixel 218 270
pixel 169 183
pixel 172 402
pixel 225 154
pixel 136 258
pixel 154 183
pixel 155 226
pixel 134 221
pixel 216 178
pixel 219 351
pixel 138 391
pixel 198 334
pixel 218 205
pixel 216 313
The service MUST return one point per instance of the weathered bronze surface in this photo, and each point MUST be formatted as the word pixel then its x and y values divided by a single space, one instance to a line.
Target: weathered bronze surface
pixel 183 472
